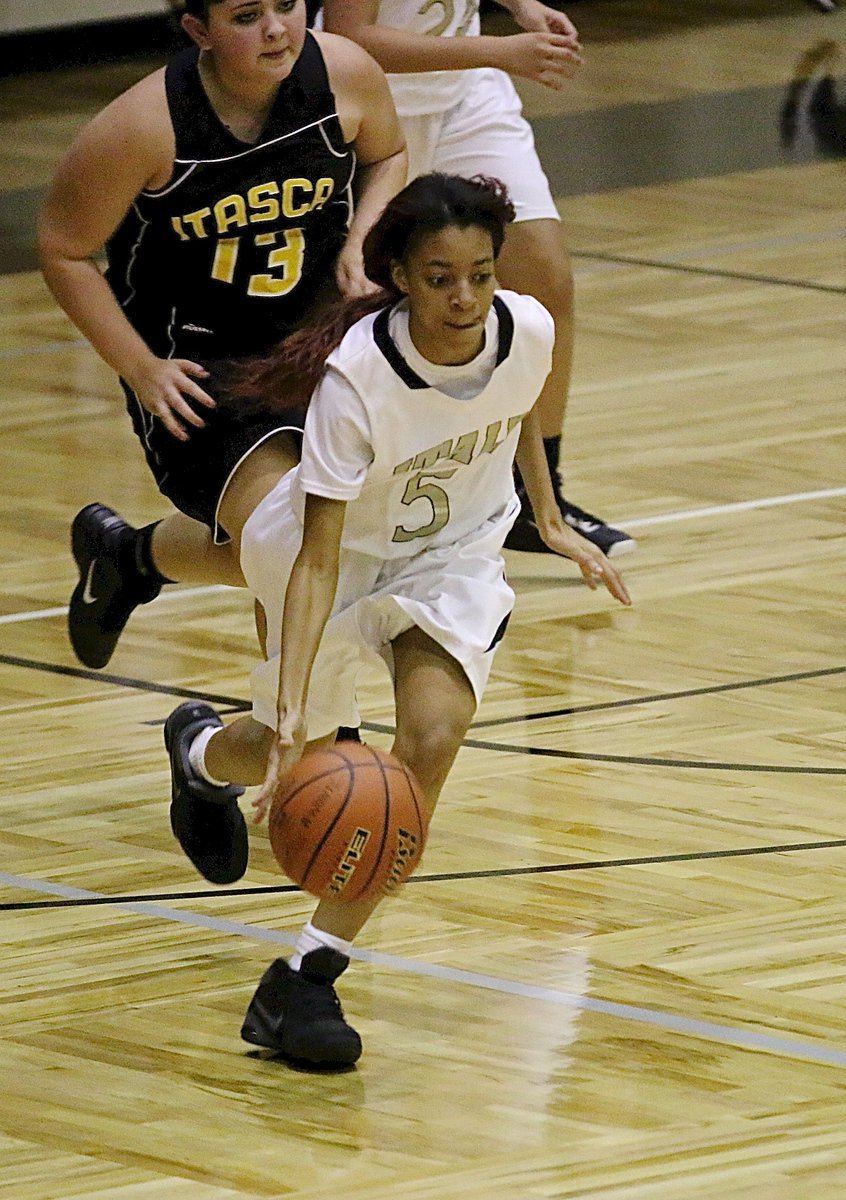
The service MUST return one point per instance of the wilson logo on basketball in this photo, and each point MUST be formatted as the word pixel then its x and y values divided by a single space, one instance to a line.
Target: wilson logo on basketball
pixel 407 850
pixel 351 858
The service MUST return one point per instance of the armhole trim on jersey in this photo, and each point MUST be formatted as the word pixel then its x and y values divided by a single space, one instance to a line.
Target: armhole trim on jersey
pixel 157 193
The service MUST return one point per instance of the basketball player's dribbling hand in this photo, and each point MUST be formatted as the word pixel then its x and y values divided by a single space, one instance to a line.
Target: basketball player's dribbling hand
pixel 592 563
pixel 286 749
pixel 164 387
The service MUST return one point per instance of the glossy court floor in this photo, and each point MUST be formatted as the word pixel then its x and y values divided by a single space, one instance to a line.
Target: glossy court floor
pixel 620 972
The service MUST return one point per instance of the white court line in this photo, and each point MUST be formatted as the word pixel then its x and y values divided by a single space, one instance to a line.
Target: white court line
pixel 718 510
pixel 691 514
pixel 37 614
pixel 709 1031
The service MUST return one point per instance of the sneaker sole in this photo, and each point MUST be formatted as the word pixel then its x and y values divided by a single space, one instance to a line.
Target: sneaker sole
pixel 620 548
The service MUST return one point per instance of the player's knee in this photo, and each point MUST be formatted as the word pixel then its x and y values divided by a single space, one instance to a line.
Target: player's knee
pixel 430 747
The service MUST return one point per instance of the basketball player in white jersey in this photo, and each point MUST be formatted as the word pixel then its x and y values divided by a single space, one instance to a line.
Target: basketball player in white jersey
pixel 461 113
pixel 384 541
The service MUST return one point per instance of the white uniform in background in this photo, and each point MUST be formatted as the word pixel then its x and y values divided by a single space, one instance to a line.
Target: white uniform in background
pixel 423 455
pixel 465 122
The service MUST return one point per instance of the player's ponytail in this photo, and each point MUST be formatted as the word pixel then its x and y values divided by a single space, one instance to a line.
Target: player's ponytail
pixel 288 374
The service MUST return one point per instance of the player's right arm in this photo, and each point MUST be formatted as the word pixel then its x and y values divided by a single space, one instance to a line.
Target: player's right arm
pixel 308 604
pixel 541 55
pixel 125 149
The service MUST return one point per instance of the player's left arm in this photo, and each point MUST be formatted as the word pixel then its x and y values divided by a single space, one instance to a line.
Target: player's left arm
pixel 535 17
pixel 369 121
pixel 594 566
pixel 308 603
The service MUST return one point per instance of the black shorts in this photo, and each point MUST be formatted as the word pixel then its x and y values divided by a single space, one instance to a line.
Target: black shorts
pixel 193 474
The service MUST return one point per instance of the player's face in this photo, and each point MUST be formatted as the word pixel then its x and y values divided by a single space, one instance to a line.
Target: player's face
pixel 449 279
pixel 256 39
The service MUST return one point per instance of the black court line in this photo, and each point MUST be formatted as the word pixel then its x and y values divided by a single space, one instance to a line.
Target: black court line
pixel 688 764
pixel 656 698
pixel 715 272
pixel 445 876
pixel 126 681
pixel 236 705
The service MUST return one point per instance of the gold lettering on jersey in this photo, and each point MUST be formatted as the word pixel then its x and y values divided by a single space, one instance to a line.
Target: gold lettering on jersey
pixel 428 458
pixel 492 438
pixel 265 202
pixel 461 449
pixel 197 221
pixel 230 212
pixel 290 206
pixel 449 9
pixel 323 189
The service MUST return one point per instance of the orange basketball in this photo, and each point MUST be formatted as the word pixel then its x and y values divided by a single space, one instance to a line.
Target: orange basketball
pixel 348 823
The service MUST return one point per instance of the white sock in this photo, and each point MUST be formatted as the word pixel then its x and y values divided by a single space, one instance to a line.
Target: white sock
pixel 313 939
pixel 197 755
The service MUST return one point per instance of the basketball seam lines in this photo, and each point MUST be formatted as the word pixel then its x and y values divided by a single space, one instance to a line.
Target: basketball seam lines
pixel 327 834
pixel 385 823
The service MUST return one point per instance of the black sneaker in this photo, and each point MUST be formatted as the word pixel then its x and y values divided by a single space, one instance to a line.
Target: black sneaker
pixel 103 599
pixel 524 534
pixel 610 541
pixel 298 1014
pixel 205 818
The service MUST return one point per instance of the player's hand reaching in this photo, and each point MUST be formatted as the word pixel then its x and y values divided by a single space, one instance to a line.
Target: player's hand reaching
pixel 165 387
pixel 285 750
pixel 532 15
pixel 543 57
pixel 596 569
pixel 349 274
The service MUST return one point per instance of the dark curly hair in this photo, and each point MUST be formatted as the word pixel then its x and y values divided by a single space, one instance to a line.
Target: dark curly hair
pixel 289 373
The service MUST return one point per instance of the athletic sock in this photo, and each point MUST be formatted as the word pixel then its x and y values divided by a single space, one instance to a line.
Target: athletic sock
pixel 197 755
pixel 314 939
pixel 135 557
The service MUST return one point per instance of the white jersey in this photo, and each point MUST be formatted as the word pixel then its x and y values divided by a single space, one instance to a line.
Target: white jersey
pixel 424 468
pixel 429 91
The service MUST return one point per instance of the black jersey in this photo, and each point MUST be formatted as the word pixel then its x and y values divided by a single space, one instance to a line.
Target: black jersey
pixel 229 255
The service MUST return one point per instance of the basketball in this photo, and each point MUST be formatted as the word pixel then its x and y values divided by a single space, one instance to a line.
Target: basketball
pixel 348 823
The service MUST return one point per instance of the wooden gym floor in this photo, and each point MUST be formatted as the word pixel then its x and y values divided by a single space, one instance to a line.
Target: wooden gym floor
pixel 620 972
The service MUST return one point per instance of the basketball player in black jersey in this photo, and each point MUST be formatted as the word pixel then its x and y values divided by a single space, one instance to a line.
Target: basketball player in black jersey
pixel 226 191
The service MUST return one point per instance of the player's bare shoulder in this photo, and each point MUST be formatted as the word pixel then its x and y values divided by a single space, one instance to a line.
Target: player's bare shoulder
pixel 350 67
pixel 135 128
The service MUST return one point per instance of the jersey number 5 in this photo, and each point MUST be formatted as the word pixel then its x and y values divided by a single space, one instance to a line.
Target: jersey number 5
pixel 416 489
pixel 286 260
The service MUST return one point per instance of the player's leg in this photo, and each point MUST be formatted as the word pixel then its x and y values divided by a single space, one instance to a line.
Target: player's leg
pixel 121 567
pixel 295 1008
pixel 488 134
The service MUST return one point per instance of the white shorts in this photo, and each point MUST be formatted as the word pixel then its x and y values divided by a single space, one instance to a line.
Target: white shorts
pixel 457 594
pixel 484 134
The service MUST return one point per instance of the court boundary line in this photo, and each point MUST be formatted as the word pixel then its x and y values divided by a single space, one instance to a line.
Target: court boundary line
pixel 692 1027
pixel 710 272
pixel 690 514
